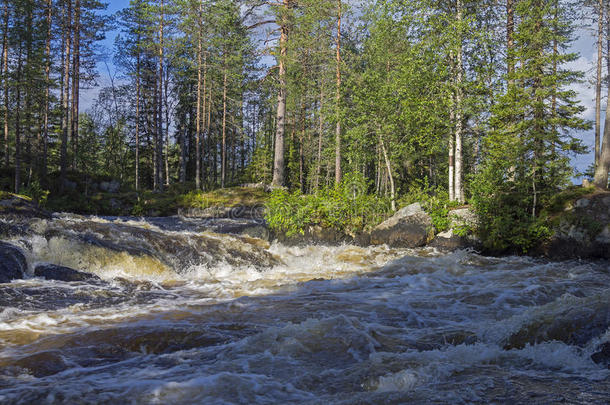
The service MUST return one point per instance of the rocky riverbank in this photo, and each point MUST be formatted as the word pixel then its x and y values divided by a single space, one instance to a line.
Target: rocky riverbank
pixel 581 230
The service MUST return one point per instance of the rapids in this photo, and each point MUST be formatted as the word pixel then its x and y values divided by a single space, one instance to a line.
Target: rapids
pixel 183 315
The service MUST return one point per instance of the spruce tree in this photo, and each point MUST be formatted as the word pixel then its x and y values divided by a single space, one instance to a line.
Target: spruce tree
pixel 527 153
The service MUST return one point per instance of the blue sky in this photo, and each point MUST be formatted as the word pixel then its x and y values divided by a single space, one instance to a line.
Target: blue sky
pixel 585 45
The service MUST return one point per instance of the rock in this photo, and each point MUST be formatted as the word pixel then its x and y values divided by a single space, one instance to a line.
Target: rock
pixel 582 232
pixel 256 231
pixel 410 227
pixel 449 241
pixel 463 217
pixel 112 186
pixel 602 355
pixel 259 186
pixel 363 239
pixel 218 212
pixel 13 264
pixel 604 236
pixel 16 206
pixel 61 273
pixel 70 185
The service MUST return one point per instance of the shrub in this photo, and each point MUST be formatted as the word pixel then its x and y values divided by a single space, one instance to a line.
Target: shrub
pixel 347 208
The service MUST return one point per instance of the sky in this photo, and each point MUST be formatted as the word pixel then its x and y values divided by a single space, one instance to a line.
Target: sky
pixel 585 45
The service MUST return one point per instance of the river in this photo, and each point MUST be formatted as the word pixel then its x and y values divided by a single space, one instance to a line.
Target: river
pixel 181 316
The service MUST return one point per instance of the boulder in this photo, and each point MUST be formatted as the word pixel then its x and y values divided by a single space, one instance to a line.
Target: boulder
pixel 13 264
pixel 61 273
pixel 410 227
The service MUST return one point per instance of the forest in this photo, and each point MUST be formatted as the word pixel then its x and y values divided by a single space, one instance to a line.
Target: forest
pixel 464 101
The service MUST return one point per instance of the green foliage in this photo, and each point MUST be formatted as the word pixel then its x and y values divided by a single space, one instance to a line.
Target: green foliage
pixel 526 160
pixel 435 201
pixel 506 221
pixel 347 208
pixel 38 195
pixel 560 201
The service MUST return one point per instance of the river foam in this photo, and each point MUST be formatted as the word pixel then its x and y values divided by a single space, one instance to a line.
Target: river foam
pixel 309 324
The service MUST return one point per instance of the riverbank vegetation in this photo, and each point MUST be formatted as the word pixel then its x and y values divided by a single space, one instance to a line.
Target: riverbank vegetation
pixel 349 109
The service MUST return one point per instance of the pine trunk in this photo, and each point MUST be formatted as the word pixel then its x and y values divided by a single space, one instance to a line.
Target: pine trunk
pixel 223 163
pixel 66 93
pixel 47 94
pixel 338 99
pixel 598 84
pixel 198 113
pixel 602 169
pixel 137 163
pixel 75 83
pixel 18 123
pixel 159 146
pixel 6 82
pixel 320 137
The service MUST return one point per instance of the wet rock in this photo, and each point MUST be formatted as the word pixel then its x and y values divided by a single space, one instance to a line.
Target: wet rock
pixel 572 320
pixel 61 273
pixel 99 245
pixel 43 364
pixel 602 355
pixel 410 227
pixel 13 264
pixel 256 231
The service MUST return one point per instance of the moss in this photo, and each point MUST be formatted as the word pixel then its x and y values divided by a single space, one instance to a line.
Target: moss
pixel 566 199
pixel 228 197
pixel 5 195
pixel 152 203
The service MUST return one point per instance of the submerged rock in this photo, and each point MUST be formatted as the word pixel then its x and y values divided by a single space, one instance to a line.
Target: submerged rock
pixel 569 319
pixel 602 355
pixel 410 227
pixel 13 264
pixel 62 273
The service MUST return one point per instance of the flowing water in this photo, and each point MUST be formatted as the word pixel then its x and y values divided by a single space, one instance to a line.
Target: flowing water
pixel 185 316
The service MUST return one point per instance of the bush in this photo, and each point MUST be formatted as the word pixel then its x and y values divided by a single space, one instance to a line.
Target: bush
pixel 38 195
pixel 347 208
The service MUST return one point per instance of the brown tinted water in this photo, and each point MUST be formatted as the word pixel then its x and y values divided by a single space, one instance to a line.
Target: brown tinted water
pixel 185 317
